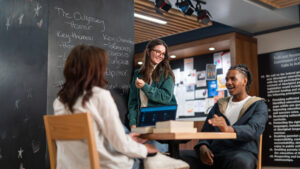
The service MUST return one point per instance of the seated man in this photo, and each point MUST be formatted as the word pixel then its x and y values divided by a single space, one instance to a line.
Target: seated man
pixel 243 114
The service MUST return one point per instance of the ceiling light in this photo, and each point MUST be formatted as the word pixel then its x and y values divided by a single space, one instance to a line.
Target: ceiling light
pixel 211 48
pixel 186 6
pixel 162 4
pixel 203 16
pixel 173 56
pixel 140 63
pixel 148 18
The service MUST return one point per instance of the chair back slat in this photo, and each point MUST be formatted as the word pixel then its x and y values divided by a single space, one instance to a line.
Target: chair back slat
pixel 259 152
pixel 71 127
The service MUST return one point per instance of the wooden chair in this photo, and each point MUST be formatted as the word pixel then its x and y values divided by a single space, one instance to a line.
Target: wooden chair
pixel 259 152
pixel 71 127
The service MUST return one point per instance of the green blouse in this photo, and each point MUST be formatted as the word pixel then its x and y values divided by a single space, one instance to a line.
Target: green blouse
pixel 158 93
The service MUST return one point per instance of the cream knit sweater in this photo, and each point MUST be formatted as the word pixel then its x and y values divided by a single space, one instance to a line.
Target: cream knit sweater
pixel 116 149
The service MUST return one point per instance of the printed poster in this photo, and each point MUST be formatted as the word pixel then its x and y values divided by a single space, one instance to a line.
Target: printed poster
pixel 212 88
pixel 221 79
pixel 211 72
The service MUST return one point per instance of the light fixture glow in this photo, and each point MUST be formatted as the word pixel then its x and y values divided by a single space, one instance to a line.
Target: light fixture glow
pixel 211 48
pixel 148 18
pixel 140 63
pixel 173 56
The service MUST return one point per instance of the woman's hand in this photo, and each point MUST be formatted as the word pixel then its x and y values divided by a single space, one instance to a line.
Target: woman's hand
pixel 139 83
pixel 136 137
pixel 220 122
pixel 206 156
pixel 151 148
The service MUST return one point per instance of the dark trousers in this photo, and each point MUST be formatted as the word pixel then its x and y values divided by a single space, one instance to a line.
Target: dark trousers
pixel 229 160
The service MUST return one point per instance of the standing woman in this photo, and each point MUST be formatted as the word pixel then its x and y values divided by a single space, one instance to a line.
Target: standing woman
pixel 153 83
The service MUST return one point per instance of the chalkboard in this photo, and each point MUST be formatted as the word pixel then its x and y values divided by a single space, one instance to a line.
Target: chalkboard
pixel 107 24
pixel 35 39
pixel 279 74
pixel 23 74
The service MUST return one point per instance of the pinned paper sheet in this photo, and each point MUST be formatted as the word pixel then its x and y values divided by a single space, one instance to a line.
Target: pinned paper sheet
pixel 180 97
pixel 189 108
pixel 221 82
pixel 209 102
pixel 190 77
pixel 226 62
pixel 201 93
pixel 201 78
pixel 218 60
pixel 188 64
pixel 177 75
pixel 190 92
pixel 199 106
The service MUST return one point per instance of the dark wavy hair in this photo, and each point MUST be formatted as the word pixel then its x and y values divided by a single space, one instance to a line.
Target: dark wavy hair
pixel 243 69
pixel 163 67
pixel 84 68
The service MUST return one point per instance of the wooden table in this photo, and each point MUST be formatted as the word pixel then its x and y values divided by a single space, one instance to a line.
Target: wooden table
pixel 174 139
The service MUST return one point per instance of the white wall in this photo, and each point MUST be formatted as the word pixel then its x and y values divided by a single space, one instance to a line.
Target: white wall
pixel 276 41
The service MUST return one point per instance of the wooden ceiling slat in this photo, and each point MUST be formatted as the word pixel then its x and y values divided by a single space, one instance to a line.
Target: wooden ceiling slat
pixel 177 22
pixel 171 20
pixel 167 28
pixel 143 36
pixel 167 14
pixel 153 34
pixel 281 3
pixel 148 29
pixel 171 11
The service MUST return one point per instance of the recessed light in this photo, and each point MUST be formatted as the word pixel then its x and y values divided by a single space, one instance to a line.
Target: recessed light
pixel 148 18
pixel 173 56
pixel 140 63
pixel 211 48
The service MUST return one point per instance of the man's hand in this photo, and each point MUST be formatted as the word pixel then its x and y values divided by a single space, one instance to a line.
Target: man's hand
pixel 206 156
pixel 136 137
pixel 220 122
pixel 139 83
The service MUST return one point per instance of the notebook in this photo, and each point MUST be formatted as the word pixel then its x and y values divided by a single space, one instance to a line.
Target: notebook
pixel 150 115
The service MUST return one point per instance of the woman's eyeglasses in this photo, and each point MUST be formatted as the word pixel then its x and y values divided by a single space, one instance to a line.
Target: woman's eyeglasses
pixel 157 52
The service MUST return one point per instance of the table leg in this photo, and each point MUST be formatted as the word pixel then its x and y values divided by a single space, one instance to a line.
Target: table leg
pixel 174 148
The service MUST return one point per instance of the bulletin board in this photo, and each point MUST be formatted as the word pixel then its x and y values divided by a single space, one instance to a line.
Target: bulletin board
pixel 199 83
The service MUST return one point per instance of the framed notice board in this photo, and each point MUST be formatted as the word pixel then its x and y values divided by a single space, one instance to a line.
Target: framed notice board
pixel 199 83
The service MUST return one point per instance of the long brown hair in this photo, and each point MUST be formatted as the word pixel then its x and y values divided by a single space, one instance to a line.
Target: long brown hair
pixel 162 68
pixel 84 68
